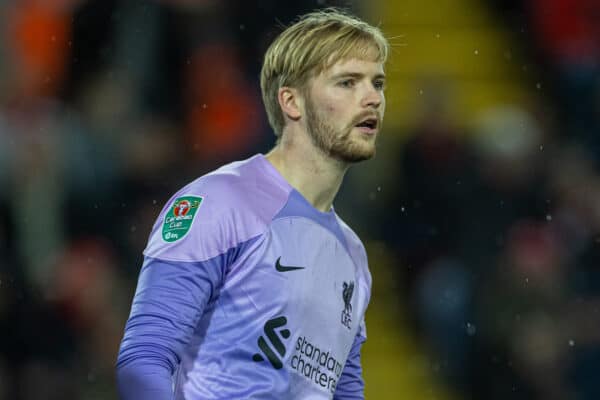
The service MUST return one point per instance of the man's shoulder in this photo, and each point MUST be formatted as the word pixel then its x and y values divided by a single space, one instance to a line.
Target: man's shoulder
pixel 214 213
pixel 226 183
pixel 351 237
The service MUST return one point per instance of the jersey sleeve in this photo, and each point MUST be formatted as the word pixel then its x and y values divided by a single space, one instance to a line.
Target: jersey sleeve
pixel 168 302
pixel 351 384
pixel 192 244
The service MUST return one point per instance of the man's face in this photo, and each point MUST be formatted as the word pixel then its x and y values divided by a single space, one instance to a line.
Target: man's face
pixel 344 109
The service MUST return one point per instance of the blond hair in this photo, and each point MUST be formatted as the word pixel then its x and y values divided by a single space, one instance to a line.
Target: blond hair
pixel 314 43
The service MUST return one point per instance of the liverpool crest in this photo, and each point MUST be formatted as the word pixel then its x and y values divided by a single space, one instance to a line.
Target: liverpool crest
pixel 348 290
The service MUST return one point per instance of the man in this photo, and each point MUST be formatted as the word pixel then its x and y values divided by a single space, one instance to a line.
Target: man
pixel 252 286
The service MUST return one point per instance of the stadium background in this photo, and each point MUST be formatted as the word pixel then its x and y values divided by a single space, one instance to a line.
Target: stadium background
pixel 481 212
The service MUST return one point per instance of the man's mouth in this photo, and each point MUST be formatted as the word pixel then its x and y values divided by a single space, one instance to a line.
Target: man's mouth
pixel 368 125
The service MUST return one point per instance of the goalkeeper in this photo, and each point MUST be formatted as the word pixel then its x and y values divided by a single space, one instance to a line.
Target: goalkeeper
pixel 252 286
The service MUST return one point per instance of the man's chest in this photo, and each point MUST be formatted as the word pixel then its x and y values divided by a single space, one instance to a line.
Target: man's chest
pixel 304 272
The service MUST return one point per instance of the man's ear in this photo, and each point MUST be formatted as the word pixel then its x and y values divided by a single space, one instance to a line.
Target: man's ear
pixel 291 102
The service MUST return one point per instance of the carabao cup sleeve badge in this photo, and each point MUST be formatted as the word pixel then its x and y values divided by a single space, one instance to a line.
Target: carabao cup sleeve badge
pixel 179 218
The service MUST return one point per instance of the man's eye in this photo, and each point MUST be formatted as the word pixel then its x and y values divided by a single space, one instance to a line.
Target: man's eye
pixel 379 85
pixel 347 83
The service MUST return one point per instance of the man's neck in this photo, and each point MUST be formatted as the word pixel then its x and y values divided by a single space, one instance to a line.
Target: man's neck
pixel 314 174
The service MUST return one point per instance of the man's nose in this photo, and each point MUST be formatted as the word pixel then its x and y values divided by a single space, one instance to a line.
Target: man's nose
pixel 372 97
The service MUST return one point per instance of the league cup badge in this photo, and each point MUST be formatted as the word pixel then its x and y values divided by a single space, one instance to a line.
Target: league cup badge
pixel 180 217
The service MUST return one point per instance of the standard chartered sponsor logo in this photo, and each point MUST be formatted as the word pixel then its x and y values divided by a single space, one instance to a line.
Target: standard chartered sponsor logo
pixel 316 365
pixel 271 333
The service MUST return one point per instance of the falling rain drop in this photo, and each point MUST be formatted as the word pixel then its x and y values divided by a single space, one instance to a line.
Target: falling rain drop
pixel 471 329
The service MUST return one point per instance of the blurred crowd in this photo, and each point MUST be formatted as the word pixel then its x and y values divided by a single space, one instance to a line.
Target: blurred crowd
pixel 498 224
pixel 107 107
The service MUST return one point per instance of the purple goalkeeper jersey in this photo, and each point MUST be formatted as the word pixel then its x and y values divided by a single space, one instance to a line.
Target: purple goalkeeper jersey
pixel 246 292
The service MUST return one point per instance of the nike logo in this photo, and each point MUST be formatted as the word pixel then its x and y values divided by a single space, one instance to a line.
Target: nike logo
pixel 285 268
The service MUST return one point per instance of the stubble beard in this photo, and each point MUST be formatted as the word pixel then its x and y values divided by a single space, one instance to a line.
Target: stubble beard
pixel 336 143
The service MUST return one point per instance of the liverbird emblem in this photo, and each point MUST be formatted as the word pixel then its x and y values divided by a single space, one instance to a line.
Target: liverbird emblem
pixel 347 296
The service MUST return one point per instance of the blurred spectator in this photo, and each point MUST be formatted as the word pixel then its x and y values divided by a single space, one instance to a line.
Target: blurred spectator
pixel 224 117
pixel 35 185
pixel 39 36
pixel 520 306
pixel 437 175
pixel 459 200
pixel 568 32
